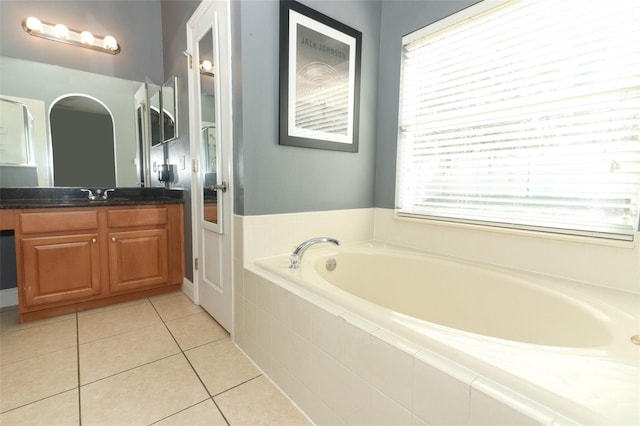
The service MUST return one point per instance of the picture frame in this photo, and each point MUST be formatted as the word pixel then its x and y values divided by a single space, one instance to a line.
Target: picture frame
pixel 319 80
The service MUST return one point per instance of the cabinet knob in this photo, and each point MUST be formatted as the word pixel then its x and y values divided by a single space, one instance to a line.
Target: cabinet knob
pixel 113 239
pixel 93 240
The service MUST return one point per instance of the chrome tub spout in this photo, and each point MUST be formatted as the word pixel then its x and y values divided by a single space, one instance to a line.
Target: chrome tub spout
pixel 296 257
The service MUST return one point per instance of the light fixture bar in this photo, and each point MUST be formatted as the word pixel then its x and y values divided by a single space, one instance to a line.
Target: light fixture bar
pixel 60 33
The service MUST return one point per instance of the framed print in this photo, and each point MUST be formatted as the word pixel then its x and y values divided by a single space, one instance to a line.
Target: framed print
pixel 319 80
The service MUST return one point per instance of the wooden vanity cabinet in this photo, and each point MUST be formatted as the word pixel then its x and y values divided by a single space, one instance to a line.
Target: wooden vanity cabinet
pixel 138 255
pixel 60 268
pixel 59 257
pixel 76 258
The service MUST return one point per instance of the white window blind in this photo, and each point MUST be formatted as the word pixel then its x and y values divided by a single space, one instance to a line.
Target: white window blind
pixel 527 115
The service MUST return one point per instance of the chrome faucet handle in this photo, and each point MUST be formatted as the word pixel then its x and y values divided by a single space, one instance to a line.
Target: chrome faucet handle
pixel 90 195
pixel 105 194
pixel 294 261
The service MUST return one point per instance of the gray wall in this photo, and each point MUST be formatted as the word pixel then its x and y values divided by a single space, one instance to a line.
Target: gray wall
pixel 277 179
pixel 175 15
pixel 280 179
pixel 398 19
pixel 135 24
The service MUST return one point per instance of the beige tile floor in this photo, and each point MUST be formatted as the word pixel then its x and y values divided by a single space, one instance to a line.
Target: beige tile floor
pixel 160 360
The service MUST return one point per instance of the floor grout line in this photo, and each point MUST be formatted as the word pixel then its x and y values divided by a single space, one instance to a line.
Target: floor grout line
pixel 180 411
pixel 110 308
pixel 192 368
pixel 204 344
pixel 238 385
pixel 38 400
pixel 78 362
pixel 221 412
pixel 121 333
pixel 33 326
pixel 38 355
pixel 179 350
pixel 116 335
pixel 129 369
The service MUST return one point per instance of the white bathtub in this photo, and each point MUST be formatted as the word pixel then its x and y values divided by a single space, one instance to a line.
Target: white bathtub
pixel 562 345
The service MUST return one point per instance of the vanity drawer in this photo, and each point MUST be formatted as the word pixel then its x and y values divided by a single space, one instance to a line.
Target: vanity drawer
pixel 31 223
pixel 137 217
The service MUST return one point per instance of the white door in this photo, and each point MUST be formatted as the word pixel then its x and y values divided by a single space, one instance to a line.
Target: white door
pixel 208 41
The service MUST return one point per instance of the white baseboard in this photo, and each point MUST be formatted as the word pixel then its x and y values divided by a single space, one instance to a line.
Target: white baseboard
pixel 188 289
pixel 8 297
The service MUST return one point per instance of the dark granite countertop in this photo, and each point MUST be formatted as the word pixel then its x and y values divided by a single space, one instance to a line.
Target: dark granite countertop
pixel 25 198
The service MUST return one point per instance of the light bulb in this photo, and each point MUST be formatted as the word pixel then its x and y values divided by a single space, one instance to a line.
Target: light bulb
pixel 34 24
pixel 110 43
pixel 206 65
pixel 86 37
pixel 61 31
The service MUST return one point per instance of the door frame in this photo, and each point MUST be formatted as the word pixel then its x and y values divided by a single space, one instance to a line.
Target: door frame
pixel 226 132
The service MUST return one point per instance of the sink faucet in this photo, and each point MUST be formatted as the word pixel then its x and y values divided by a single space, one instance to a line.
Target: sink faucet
pixel 90 194
pixel 106 192
pixel 99 195
pixel 296 256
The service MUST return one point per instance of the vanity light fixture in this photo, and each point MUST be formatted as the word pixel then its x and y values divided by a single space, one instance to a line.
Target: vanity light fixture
pixel 86 38
pixel 59 32
pixel 206 68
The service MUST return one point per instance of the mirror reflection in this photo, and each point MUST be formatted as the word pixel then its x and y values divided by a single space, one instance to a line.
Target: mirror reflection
pixel 54 83
pixel 16 123
pixel 169 117
pixel 154 109
pixel 82 143
pixel 208 134
pixel 208 138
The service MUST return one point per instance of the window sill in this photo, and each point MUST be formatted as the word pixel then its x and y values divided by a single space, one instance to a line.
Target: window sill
pixel 577 239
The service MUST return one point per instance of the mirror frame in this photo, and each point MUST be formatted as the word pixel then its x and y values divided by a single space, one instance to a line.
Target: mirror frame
pixel 172 102
pixel 142 113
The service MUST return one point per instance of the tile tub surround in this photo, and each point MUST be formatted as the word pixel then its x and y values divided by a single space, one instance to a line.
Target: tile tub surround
pixel 341 369
pixel 602 262
pixel 160 359
pixel 271 235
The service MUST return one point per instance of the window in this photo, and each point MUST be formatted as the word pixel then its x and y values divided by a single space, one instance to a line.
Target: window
pixel 525 114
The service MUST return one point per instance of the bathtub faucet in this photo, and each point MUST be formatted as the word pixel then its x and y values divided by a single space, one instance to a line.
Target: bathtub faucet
pixel 296 256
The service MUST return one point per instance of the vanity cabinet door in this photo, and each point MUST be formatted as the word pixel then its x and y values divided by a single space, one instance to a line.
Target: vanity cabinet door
pixel 138 259
pixel 60 268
